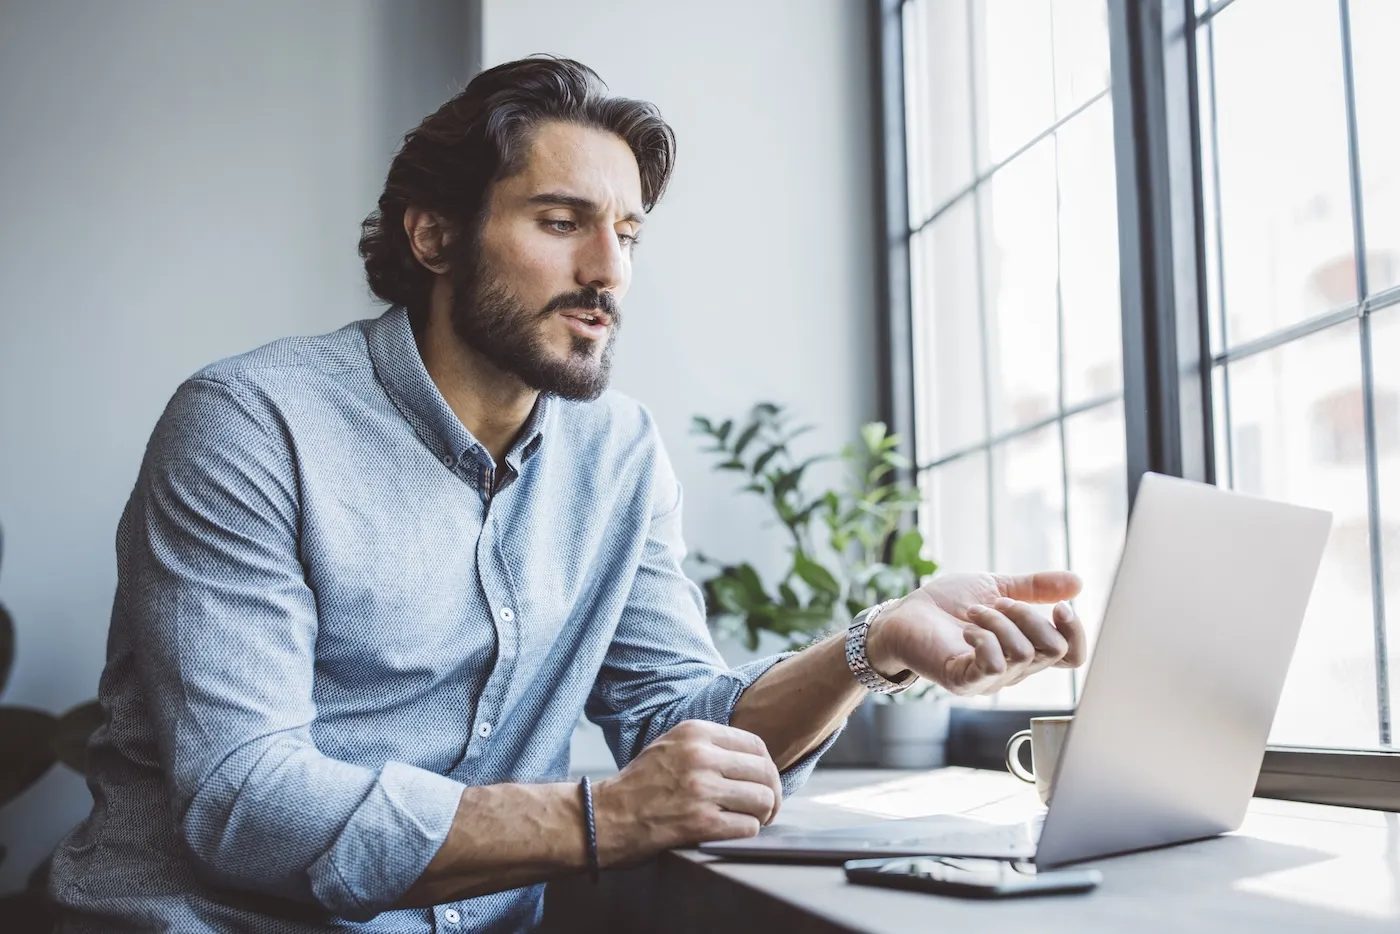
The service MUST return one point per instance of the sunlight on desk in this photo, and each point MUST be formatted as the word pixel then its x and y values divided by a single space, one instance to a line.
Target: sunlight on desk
pixel 1355 881
pixel 946 791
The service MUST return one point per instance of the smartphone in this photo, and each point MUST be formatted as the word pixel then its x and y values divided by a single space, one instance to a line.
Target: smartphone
pixel 968 878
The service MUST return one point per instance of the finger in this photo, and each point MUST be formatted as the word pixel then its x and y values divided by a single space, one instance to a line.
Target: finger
pixel 1072 629
pixel 1050 645
pixel 731 825
pixel 731 737
pixel 1040 587
pixel 752 798
pixel 1014 646
pixel 972 673
pixel 744 767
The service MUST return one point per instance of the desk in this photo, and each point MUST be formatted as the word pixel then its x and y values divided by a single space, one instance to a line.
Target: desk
pixel 1291 867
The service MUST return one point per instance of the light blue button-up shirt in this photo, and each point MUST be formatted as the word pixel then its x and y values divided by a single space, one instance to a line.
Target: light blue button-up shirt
pixel 327 624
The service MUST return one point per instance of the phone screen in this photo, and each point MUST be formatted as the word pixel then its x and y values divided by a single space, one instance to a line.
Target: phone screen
pixel 968 876
pixel 961 870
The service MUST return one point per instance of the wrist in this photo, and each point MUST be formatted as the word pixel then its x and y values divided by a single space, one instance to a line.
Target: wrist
pixel 882 645
pixel 610 825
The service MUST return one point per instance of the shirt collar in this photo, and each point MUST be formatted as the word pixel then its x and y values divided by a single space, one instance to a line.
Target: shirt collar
pixel 399 368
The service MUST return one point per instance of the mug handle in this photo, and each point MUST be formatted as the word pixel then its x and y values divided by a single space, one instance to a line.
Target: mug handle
pixel 1013 759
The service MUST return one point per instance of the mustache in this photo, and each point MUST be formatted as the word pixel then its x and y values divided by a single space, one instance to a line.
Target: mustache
pixel 585 300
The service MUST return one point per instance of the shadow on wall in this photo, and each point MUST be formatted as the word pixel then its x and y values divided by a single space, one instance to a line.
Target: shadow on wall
pixel 31 742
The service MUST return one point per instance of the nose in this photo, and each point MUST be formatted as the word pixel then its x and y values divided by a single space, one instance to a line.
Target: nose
pixel 602 263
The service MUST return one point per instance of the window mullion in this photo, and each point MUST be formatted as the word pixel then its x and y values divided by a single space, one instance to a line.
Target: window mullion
pixel 1368 385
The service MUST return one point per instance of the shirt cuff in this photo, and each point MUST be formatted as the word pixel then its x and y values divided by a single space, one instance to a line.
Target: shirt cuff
pixel 387 843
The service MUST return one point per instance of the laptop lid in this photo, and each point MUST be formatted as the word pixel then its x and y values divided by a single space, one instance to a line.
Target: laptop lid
pixel 1190 663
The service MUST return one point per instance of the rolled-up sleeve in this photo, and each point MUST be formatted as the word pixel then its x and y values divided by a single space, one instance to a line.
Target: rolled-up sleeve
pixel 662 666
pixel 225 628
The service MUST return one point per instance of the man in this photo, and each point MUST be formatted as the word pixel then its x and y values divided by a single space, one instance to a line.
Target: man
pixel 369 580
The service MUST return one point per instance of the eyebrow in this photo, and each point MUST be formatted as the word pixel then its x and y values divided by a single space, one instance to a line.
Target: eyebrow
pixel 560 199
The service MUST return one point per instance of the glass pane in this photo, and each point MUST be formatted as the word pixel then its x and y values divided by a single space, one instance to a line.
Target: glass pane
pixel 1375 34
pixel 937 103
pixel 1209 203
pixel 948 383
pixel 1029 509
pixel 1284 176
pixel 1385 343
pixel 1015 75
pixel 1081 51
pixel 1096 458
pixel 956 519
pixel 1029 518
pixel 1298 436
pixel 1019 253
pixel 1089 288
pixel 1028 502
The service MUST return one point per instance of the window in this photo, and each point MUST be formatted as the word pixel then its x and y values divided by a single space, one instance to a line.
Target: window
pixel 1301 169
pixel 1280 322
pixel 1012 240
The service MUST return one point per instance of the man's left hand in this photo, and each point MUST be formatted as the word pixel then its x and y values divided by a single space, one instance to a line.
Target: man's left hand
pixel 978 633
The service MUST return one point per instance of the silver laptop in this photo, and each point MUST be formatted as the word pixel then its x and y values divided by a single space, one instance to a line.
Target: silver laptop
pixel 1169 733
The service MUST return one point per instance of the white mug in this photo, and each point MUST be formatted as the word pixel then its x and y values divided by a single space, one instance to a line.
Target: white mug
pixel 1046 736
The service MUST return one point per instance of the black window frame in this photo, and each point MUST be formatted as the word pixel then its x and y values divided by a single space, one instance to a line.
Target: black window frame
pixel 1167 361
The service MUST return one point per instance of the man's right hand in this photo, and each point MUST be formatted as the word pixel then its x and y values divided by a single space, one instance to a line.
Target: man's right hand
pixel 699 781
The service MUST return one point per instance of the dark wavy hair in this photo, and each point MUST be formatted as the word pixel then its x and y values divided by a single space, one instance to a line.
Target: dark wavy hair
pixel 482 135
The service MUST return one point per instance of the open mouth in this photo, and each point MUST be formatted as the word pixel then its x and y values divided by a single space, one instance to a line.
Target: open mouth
pixel 589 323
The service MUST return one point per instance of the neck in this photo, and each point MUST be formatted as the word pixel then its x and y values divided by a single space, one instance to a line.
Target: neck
pixel 490 403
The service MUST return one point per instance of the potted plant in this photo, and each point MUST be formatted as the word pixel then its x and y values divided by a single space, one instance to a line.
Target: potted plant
pixel 850 547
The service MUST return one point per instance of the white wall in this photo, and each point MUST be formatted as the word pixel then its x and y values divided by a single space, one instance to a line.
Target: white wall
pixel 181 182
pixel 756 276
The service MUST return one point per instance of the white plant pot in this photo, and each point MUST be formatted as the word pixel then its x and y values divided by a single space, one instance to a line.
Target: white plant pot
pixel 912 735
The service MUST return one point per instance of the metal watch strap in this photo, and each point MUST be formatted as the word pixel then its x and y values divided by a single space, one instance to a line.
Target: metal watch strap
pixel 860 665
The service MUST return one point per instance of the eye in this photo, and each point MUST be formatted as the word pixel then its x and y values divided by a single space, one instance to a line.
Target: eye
pixel 629 240
pixel 560 226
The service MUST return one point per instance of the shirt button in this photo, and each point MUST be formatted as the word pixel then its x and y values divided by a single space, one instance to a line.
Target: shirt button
pixel 507 614
pixel 484 730
pixel 451 916
pixel 448 460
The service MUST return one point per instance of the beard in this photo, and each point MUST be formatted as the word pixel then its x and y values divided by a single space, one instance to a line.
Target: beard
pixel 491 320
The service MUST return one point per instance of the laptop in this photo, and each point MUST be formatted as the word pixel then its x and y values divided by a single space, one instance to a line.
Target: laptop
pixel 1169 734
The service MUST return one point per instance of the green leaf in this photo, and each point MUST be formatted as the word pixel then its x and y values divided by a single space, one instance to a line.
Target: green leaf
pixel 895 459
pixel 730 595
pixel 872 433
pixel 814 575
pixel 699 424
pixel 25 754
pixel 766 410
pixel 765 457
pixel 789 596
pixel 70 738
pixel 745 437
pixel 787 482
pixel 752 585
pixel 731 464
pixel 907 553
pixel 723 432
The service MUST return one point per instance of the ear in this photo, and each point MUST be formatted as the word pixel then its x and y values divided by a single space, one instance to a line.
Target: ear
pixel 429 236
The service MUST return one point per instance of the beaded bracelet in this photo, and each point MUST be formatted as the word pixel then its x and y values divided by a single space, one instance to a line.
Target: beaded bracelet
pixel 590 828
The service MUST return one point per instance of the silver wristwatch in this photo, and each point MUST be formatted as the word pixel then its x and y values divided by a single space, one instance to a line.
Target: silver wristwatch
pixel 860 665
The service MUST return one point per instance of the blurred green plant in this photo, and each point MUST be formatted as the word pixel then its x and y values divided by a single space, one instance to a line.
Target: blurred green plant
pixel 31 741
pixel 850 546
